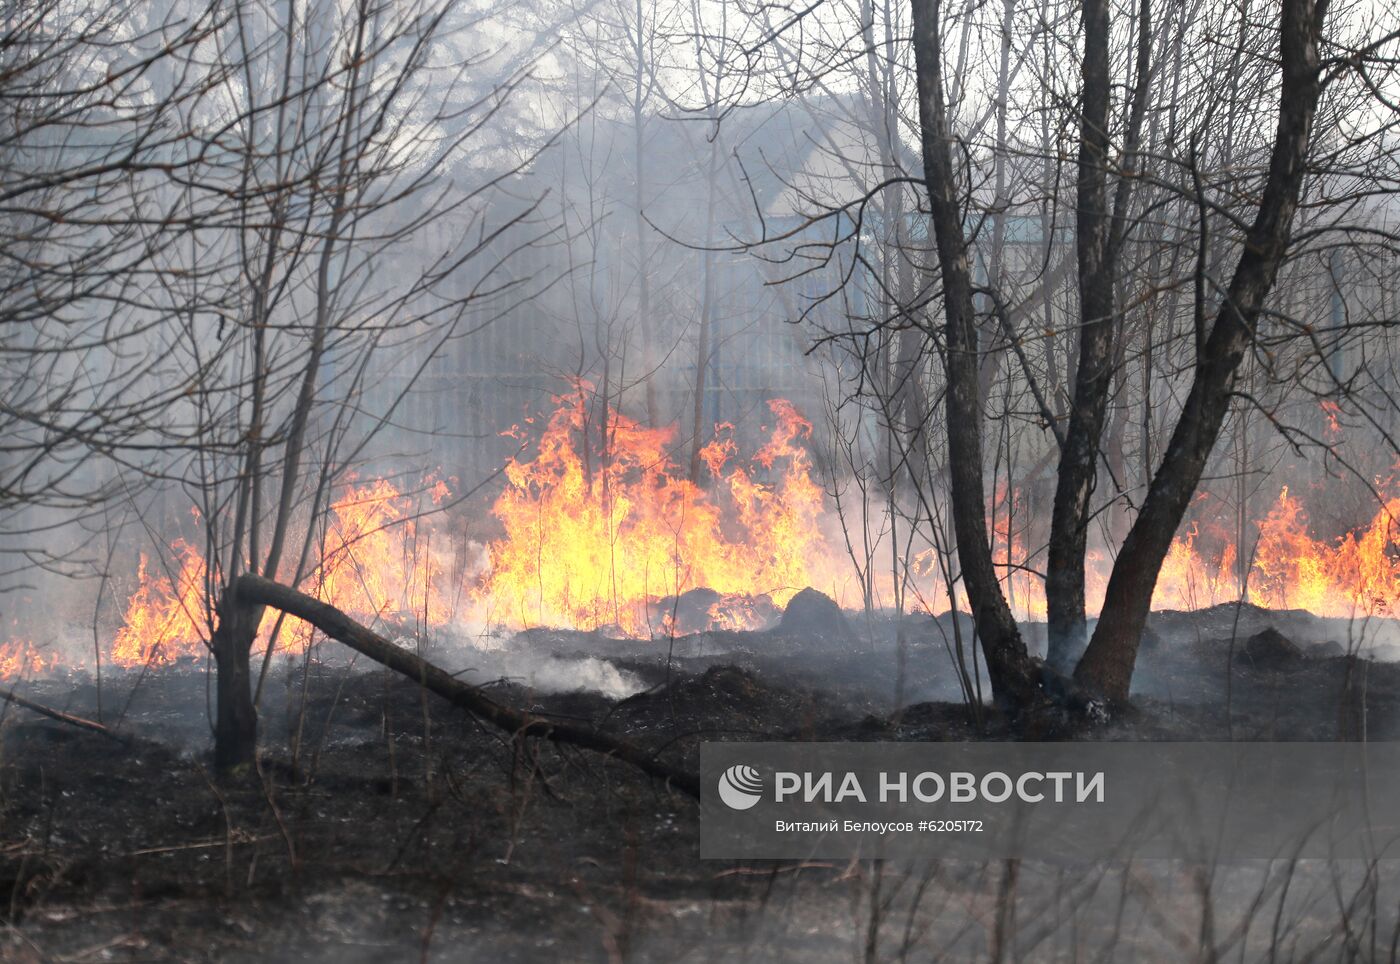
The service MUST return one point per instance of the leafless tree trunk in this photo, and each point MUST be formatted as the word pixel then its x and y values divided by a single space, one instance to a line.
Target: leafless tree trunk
pixel 327 171
pixel 1099 235
pixel 1013 672
pixel 1107 666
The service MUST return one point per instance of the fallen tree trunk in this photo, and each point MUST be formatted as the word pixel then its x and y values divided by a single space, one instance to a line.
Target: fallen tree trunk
pixel 11 696
pixel 249 590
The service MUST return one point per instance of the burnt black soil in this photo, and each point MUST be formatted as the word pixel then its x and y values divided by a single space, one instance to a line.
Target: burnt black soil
pixel 384 825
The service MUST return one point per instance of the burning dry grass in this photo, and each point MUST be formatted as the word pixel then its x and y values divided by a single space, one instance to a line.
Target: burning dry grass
pixel 599 529
pixel 21 659
pixel 595 544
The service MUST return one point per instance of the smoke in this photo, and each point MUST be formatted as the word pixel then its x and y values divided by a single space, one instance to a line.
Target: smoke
pixel 514 659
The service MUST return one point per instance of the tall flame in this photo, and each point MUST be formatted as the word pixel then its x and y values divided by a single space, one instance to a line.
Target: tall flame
pixel 1357 575
pixel 378 560
pixel 165 617
pixel 593 538
pixel 373 565
pixel 601 530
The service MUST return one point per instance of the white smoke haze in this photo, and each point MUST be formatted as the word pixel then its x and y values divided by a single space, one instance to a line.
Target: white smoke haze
pixel 513 659
pixel 565 345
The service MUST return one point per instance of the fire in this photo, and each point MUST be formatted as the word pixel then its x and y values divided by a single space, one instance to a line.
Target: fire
pixel 20 659
pixel 165 618
pixel 1358 575
pixel 1188 580
pixel 373 566
pixel 600 529
pixel 378 561
pixel 1025 593
pixel 737 612
pixel 593 538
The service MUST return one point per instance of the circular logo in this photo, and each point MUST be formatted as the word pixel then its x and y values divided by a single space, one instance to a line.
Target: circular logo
pixel 740 787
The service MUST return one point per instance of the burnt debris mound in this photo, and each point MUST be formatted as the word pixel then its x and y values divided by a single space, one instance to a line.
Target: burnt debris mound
pixel 1270 649
pixel 814 615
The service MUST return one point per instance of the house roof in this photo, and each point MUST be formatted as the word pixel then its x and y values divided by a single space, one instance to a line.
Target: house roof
pixel 785 159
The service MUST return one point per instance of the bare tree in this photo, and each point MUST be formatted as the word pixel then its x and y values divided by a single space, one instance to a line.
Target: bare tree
pixel 324 156
pixel 1009 664
pixel 1183 225
pixel 92 161
pixel 1107 665
pixel 1100 233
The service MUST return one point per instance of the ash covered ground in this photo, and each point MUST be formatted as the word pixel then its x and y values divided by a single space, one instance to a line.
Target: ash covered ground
pixel 383 824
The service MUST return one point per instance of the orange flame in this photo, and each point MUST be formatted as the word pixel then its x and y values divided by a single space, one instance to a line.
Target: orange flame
pixel 601 530
pixel 165 618
pixel 376 564
pixel 1188 580
pixel 20 659
pixel 373 566
pixel 1357 575
pixel 592 539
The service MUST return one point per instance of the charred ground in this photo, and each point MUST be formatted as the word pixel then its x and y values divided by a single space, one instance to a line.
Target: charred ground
pixel 384 824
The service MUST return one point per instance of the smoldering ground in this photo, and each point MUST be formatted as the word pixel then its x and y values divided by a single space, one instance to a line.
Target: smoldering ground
pixel 382 822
